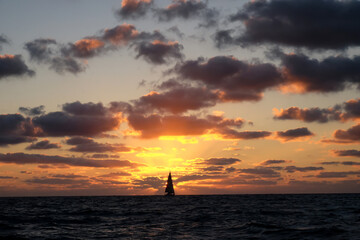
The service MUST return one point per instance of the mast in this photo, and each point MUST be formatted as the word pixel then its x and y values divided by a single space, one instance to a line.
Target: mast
pixel 169 190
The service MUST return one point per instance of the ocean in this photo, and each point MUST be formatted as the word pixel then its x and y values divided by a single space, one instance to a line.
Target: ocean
pixel 285 216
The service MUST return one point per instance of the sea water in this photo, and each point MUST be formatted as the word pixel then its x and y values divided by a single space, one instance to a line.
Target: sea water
pixel 310 216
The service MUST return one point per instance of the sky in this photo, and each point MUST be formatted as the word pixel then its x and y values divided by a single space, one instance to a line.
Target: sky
pixel 232 97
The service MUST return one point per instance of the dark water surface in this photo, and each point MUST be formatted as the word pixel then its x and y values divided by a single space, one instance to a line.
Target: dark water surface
pixel 323 216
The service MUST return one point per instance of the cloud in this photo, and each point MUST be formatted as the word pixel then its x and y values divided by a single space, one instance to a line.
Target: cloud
pixel 221 161
pixel 7 177
pixel 264 172
pixel 15 129
pixel 150 182
pixel 57 181
pixel 158 52
pixel 64 58
pixel 176 31
pixel 223 38
pixel 291 23
pixel 237 80
pixel 307 114
pixel 213 169
pixel 65 124
pixel 347 153
pixel 89 109
pixel 87 145
pixel 133 9
pixel 178 100
pixel 346 163
pixel 13 65
pixel 121 34
pixel 293 134
pixel 189 9
pixel 33 111
pixel 62 65
pixel 245 135
pixel 337 174
pixel 45 144
pixel 271 162
pixel 352 109
pixel 350 135
pixel 86 48
pixel 41 49
pixel 331 74
pixel 188 178
pixel 115 174
pixel 3 40
pixel 23 158
pixel 292 169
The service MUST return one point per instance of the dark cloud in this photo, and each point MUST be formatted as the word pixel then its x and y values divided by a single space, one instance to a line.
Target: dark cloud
pixel 23 158
pixel 189 9
pixel 45 144
pixel 87 145
pixel 308 114
pixel 271 162
pixel 158 52
pixel 62 65
pixel 349 136
pixel 293 134
pixel 41 49
pixel 3 40
pixel 176 31
pixel 347 153
pixel 6 140
pixel 33 111
pixel 90 109
pixel 149 182
pixel 261 172
pixel 71 175
pixel 292 169
pixel 221 161
pixel 242 181
pixel 7 177
pixel 352 109
pixel 341 112
pixel 115 174
pixel 213 169
pixel 100 155
pixel 57 181
pixel 65 124
pixel 337 174
pixel 237 80
pixel 133 9
pixel 64 58
pixel 223 38
pixel 13 65
pixel 331 74
pixel 15 129
pixel 350 163
pixel 188 178
pixel 346 163
pixel 178 100
pixel 245 135
pixel 321 24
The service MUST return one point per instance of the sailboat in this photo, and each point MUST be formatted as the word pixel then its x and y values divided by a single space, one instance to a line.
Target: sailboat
pixel 169 190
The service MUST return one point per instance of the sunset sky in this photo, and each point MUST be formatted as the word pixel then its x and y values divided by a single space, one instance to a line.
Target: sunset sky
pixel 106 97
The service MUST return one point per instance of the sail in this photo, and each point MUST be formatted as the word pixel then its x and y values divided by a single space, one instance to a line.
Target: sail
pixel 169 187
